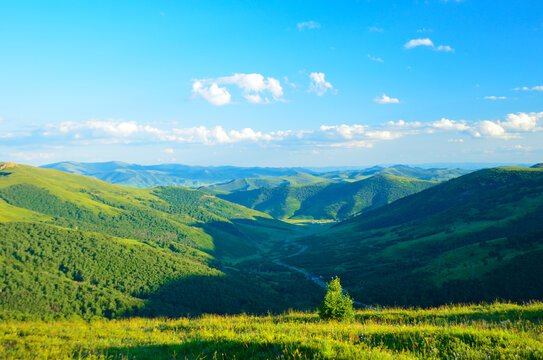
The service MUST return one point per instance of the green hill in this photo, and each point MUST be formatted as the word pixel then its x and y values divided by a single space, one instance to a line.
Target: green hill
pixel 476 237
pixel 246 184
pixel 75 246
pixel 328 200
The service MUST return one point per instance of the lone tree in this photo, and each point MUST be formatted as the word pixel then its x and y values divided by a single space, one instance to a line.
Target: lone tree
pixel 336 304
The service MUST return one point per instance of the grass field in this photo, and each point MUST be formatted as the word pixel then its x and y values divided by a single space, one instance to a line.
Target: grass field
pixel 494 331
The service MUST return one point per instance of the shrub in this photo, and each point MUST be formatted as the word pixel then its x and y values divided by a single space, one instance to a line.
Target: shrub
pixel 336 305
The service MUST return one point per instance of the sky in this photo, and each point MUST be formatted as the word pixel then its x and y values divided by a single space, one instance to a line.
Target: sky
pixel 272 83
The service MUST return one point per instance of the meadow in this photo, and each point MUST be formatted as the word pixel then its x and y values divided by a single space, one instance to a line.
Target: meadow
pixel 486 331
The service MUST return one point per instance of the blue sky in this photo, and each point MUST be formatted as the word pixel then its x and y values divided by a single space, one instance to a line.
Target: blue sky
pixel 272 83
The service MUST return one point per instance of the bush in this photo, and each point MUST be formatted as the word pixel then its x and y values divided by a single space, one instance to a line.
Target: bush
pixel 336 304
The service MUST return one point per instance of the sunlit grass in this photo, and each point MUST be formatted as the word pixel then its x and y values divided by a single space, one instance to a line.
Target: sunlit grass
pixel 495 331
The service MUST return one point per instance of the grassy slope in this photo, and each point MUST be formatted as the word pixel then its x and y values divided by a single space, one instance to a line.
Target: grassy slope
pixel 477 237
pixel 328 200
pixel 497 331
pixel 69 242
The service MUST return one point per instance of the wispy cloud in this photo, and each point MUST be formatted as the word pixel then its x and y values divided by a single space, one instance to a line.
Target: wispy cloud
pixel 254 88
pixel 308 25
pixel 426 42
pixel 533 88
pixel 445 48
pixel 319 85
pixel 495 97
pixel 373 58
pixel 384 99
pixel 376 29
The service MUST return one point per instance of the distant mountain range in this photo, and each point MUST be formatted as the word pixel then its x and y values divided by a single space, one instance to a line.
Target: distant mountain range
pixel 233 178
pixel 146 176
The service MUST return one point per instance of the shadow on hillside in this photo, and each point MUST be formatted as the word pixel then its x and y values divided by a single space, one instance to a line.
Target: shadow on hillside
pixel 199 349
pixel 231 293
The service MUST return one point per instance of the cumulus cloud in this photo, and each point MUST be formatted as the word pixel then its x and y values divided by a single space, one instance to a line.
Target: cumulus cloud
pixel 522 121
pixel 319 85
pixel 212 93
pixel 309 25
pixel 427 42
pixel 384 99
pixel 254 88
pixel 495 97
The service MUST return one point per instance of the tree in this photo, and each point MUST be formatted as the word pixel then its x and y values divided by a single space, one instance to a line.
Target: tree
pixel 336 304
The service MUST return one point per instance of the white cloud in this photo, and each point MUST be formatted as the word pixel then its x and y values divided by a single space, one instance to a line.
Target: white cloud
pixel 495 97
pixel 522 121
pixel 427 42
pixel 384 99
pixel 310 25
pixel 418 42
pixel 448 125
pixel 115 131
pixel 253 87
pixel 490 129
pixel 319 85
pixel 213 94
pixel 345 131
pixel 376 29
pixel 424 30
pixel 1 119
pixel 6 136
pixel 383 135
pixel 373 58
pixel 455 140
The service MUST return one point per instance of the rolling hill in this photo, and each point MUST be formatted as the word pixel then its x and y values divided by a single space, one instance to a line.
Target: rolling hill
pixel 328 200
pixel 76 246
pixel 474 238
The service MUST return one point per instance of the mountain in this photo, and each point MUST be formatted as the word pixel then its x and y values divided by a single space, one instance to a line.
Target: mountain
pixel 474 238
pixel 145 176
pixel 433 174
pixel 246 184
pixel 538 166
pixel 326 200
pixel 75 246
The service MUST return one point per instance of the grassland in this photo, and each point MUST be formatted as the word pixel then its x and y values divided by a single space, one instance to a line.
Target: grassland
pixel 494 331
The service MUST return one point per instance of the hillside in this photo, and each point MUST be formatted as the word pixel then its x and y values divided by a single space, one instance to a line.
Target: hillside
pixel 72 245
pixel 328 200
pixel 494 331
pixel 146 176
pixel 476 237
